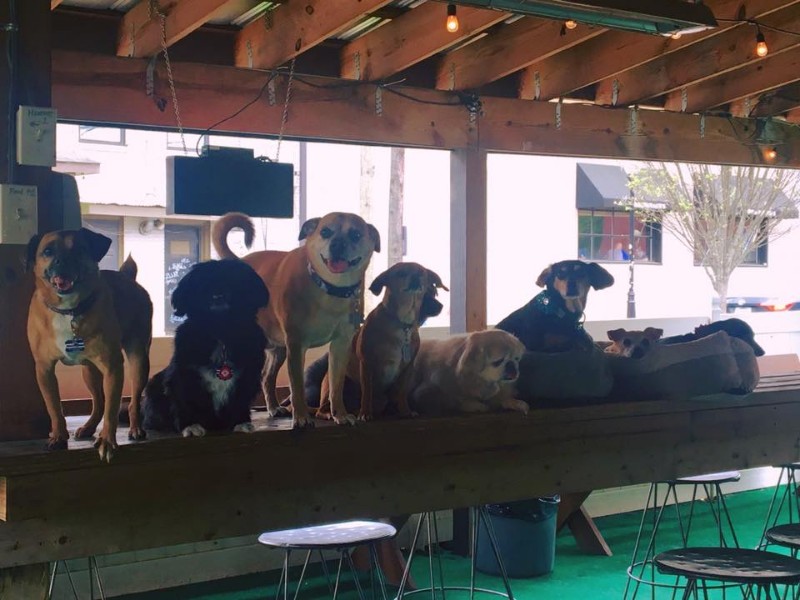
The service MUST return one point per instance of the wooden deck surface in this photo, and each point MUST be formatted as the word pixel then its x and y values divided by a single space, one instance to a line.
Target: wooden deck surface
pixel 170 490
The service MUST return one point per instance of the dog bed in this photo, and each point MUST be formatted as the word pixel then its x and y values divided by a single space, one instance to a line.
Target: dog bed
pixel 574 374
pixel 710 365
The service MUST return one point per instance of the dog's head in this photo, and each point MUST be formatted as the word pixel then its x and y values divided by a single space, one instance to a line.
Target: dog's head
pixel 572 279
pixel 220 290
pixel 410 291
pixel 490 359
pixel 633 344
pixel 735 328
pixel 339 246
pixel 65 262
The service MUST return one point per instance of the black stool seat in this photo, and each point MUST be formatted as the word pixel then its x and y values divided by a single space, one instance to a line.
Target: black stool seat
pixel 330 536
pixel 730 565
pixel 709 478
pixel 787 535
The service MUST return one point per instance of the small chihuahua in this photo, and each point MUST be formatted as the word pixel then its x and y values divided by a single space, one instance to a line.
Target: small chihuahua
pixel 632 344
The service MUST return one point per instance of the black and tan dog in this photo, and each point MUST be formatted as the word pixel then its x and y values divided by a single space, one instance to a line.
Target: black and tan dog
pixel 384 348
pixel 733 327
pixel 80 315
pixel 315 298
pixel 553 320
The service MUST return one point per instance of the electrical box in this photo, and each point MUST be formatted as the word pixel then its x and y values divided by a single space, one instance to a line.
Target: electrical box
pixel 36 136
pixel 18 213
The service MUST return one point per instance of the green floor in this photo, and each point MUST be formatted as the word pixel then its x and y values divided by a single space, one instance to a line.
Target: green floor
pixel 575 576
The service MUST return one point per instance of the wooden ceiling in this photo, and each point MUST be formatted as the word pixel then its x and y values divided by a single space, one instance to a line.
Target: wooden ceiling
pixel 493 53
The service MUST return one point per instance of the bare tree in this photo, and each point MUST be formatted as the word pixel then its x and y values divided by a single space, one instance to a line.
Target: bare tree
pixel 720 213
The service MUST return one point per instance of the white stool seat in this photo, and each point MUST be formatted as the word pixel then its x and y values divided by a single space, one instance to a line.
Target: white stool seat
pixel 330 536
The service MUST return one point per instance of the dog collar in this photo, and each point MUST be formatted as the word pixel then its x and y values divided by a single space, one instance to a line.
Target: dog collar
pixel 82 307
pixel 333 290
pixel 548 303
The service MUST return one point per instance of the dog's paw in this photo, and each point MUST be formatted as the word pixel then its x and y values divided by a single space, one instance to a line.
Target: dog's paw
pixel 517 405
pixel 106 446
pixel 302 422
pixel 278 411
pixel 244 428
pixel 195 430
pixel 362 416
pixel 86 431
pixel 57 442
pixel 137 434
pixel 345 419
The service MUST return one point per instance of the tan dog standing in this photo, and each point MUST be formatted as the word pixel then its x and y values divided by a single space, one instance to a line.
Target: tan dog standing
pixel 80 315
pixel 475 372
pixel 384 348
pixel 315 298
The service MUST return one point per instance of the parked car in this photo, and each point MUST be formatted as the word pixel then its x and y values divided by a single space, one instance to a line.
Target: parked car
pixel 761 304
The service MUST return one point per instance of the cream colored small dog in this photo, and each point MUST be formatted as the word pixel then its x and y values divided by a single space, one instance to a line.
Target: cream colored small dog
pixel 315 298
pixel 632 343
pixel 468 373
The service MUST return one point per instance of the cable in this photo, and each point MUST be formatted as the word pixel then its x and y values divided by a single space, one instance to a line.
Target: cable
pixel 757 23
pixel 11 57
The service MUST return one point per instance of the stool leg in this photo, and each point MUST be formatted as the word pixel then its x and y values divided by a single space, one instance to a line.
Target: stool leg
pixel 346 551
pixel 431 550
pixel 93 564
pixel 302 575
pixel 762 543
pixel 284 579
pixel 723 508
pixel 338 576
pixel 378 571
pixel 404 579
pixel 438 555
pixel 325 570
pixel 91 583
pixel 638 541
pixel 484 514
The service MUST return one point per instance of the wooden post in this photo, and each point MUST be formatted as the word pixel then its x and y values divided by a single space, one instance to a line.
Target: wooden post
pixel 395 244
pixel 22 412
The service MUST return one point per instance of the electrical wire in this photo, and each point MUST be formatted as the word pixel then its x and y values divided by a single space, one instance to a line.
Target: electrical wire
pixel 11 57
pixel 757 23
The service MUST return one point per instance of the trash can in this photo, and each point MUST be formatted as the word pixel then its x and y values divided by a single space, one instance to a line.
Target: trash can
pixel 526 537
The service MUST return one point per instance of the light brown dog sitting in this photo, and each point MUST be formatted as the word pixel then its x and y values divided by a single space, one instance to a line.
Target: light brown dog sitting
pixel 467 373
pixel 632 344
pixel 315 298
pixel 384 348
pixel 80 315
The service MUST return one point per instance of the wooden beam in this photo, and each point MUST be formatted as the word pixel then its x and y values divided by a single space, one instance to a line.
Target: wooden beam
pixel 54 4
pixel 411 38
pixel 705 60
pixel 141 34
pixel 617 51
pixel 109 89
pixel 768 74
pixel 294 27
pixel 505 50
pixel 793 116
pixel 777 102
pixel 468 242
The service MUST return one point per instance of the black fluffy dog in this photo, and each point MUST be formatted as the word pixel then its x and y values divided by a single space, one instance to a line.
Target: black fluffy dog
pixel 733 327
pixel 215 371
pixel 553 320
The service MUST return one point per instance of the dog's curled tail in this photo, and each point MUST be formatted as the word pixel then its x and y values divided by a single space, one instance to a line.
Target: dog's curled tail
pixel 223 226
pixel 129 268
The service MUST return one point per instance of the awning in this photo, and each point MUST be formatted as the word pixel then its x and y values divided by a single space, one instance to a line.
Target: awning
pixel 600 186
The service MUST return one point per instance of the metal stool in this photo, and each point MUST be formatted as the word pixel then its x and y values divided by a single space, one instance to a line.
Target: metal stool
pixel 758 569
pixel 478 513
pixel 93 570
pixel 642 568
pixel 341 537
pixel 786 535
pixel 788 500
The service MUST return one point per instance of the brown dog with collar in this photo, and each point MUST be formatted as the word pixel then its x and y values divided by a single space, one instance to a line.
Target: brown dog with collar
pixel 315 298
pixel 80 315
pixel 383 350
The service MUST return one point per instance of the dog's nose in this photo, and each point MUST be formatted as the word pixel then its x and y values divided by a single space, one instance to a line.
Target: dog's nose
pixel 511 369
pixel 337 246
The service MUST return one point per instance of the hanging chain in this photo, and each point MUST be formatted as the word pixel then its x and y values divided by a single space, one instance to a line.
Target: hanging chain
pixel 153 9
pixel 285 116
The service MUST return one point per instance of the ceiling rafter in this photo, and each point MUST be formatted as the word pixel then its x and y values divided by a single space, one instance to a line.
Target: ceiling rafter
pixel 506 49
pixel 707 59
pixel 140 33
pixel 294 27
pixel 779 101
pixel 618 51
pixel 411 38
pixel 55 3
pixel 768 74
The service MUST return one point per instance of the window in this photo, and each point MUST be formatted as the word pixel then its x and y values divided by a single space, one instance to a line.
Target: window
pixel 606 235
pixel 757 257
pixel 111 228
pixel 175 142
pixel 101 135
pixel 181 251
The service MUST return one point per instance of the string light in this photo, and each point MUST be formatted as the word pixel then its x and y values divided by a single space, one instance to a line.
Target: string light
pixel 452 18
pixel 770 154
pixel 761 44
pixel 570 24
pixel 676 35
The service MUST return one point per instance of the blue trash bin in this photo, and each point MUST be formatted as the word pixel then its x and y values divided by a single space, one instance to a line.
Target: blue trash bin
pixel 526 537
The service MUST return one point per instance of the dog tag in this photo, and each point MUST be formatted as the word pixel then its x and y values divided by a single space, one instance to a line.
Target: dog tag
pixel 406 353
pixel 76 344
pixel 224 373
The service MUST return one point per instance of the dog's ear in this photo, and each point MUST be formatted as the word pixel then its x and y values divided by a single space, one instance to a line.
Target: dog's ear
pixel 97 243
pixel 33 246
pixel 375 236
pixel 615 334
pixel 381 281
pixel 599 278
pixel 255 290
pixel 545 276
pixel 472 359
pixel 653 333
pixel 436 280
pixel 308 228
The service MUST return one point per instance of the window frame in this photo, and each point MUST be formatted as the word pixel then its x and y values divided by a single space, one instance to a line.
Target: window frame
pixel 653 239
pixel 121 142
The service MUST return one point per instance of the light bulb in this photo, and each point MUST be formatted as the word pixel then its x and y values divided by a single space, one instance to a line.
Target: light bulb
pixel 452 18
pixel 761 45
pixel 770 154
pixel 676 35
pixel 570 24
